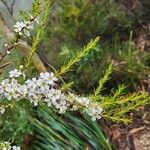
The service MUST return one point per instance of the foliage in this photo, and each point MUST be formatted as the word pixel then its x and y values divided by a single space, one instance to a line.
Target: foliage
pixel 15 123
pixel 86 19
pixel 42 127
pixel 40 29
pixel 72 24
pixel 79 56
pixel 21 130
pixel 69 131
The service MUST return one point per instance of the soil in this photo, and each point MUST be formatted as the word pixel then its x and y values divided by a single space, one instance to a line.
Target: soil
pixel 135 136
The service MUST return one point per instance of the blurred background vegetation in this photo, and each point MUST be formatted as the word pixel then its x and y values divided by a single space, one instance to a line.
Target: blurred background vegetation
pixel 121 26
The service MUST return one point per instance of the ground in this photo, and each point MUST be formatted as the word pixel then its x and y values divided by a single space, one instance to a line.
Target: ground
pixel 135 136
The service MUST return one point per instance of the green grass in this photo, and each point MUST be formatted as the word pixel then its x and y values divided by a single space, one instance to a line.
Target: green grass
pixel 70 131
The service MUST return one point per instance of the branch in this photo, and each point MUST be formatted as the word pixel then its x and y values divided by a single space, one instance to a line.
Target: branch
pixel 10 9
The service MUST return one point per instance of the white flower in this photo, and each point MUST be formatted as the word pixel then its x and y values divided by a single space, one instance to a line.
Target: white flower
pixel 8 52
pixel 6 45
pixel 35 103
pixel 5 82
pixel 44 75
pixel 23 90
pixel 94 112
pixel 21 66
pixel 48 101
pixel 5 146
pixel 27 23
pixel 62 106
pixel 27 33
pixel 2 110
pixel 43 85
pixel 15 73
pixel 49 77
pixel 31 83
pixel 10 95
pixel 23 28
pixel 19 26
pixel 54 95
pixel 16 148
pixel 83 100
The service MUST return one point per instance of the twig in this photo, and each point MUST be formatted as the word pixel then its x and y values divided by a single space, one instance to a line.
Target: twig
pixel 10 9
pixel 2 56
pixel 5 65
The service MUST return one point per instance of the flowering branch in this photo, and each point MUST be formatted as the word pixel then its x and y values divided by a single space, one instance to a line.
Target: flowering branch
pixel 43 90
pixel 21 29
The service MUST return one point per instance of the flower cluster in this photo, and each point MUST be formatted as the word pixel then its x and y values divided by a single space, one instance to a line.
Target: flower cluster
pixel 23 28
pixel 7 146
pixel 94 112
pixel 91 108
pixel 43 90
